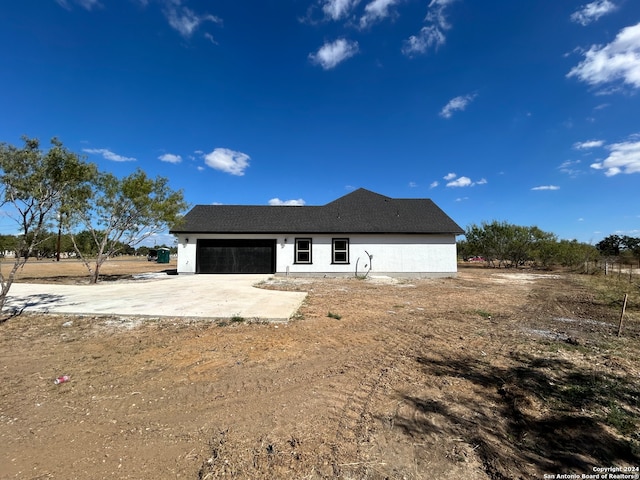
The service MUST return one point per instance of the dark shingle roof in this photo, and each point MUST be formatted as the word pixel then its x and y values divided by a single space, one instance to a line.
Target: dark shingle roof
pixel 361 211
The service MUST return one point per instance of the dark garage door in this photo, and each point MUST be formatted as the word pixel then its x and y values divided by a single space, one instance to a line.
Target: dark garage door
pixel 236 256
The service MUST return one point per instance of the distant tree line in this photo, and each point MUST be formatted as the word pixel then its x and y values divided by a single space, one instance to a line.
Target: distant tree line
pixel 502 244
pixel 623 247
pixel 48 247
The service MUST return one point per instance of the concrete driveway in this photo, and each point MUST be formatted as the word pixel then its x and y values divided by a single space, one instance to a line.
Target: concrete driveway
pixel 206 296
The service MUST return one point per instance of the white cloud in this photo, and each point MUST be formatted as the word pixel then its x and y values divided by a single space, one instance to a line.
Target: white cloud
pixel 413 184
pixel 617 61
pixel 331 54
pixel 568 167
pixel 434 184
pixel 588 144
pixel 156 239
pixel 228 161
pixel 375 11
pixel 591 12
pixel 337 9
pixel 427 38
pixel 170 158
pixel 624 158
pixel 461 182
pixel 89 4
pixel 431 35
pixel 289 203
pixel 184 20
pixel 86 4
pixel 455 104
pixel 546 187
pixel 108 155
pixel 436 13
pixel 452 181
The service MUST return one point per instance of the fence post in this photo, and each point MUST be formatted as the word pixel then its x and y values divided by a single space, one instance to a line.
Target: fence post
pixel 624 307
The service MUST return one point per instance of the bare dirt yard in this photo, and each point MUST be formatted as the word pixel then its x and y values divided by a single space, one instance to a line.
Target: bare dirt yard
pixel 495 374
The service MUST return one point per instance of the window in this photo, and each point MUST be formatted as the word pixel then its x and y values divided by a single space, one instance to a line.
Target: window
pixel 303 250
pixel 340 250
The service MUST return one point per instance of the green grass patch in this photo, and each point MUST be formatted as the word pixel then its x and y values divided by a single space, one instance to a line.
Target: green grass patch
pixel 620 419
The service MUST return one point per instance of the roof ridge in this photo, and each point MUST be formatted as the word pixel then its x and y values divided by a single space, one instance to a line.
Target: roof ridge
pixel 358 194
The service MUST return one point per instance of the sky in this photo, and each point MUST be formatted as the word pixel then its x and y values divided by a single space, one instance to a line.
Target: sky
pixel 520 111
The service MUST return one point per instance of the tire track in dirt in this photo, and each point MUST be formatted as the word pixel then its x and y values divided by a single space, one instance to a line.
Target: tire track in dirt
pixel 354 415
pixel 367 418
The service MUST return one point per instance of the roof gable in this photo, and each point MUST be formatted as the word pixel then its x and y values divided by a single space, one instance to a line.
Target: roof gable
pixel 360 211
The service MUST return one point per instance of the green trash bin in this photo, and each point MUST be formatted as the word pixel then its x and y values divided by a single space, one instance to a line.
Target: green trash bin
pixel 163 255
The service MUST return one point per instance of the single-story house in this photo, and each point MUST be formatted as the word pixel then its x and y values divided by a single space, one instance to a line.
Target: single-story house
pixel 358 233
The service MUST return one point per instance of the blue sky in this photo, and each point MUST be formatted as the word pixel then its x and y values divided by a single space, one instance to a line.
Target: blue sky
pixel 527 112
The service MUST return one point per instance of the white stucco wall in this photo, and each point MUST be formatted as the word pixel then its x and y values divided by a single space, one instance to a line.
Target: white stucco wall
pixel 187 253
pixel 409 255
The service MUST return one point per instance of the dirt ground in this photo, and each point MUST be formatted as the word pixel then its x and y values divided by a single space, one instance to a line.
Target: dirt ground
pixel 494 374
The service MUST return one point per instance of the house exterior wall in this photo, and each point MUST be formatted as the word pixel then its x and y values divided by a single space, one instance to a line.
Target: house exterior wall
pixel 392 254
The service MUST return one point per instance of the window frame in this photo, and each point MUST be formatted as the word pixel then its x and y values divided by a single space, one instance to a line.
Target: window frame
pixel 334 250
pixel 298 250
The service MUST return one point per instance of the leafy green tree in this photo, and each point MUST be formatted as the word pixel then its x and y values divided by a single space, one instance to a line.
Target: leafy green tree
pixel 571 253
pixel 464 250
pixel 124 212
pixel 35 186
pixel 480 240
pixel 631 246
pixel 545 251
pixel 610 246
pixel 8 243
pixel 83 243
pixel 48 248
pixel 509 244
pixel 491 240
pixel 542 245
pixel 619 248
pixel 142 251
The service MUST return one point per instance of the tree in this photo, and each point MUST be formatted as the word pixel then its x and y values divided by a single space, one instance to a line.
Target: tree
pixel 571 253
pixel 123 212
pixel 631 246
pixel 508 244
pixel 610 246
pixel 490 240
pixel 8 243
pixel 35 187
pixel 624 248
pixel 143 251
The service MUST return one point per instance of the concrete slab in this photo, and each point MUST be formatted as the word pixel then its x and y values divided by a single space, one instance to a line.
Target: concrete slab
pixel 204 296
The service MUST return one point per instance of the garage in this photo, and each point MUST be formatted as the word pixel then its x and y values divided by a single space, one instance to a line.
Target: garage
pixel 235 256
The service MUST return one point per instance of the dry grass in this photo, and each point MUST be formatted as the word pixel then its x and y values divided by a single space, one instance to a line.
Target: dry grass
pixel 71 270
pixel 492 375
